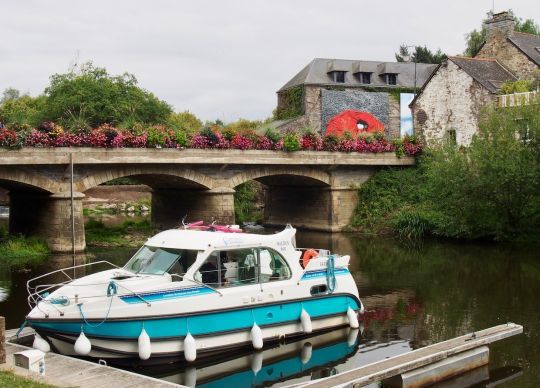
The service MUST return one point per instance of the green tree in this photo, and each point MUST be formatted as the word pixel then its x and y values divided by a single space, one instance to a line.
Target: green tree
pixel 185 121
pixel 89 96
pixel 476 38
pixel 10 94
pixel 24 111
pixel 421 54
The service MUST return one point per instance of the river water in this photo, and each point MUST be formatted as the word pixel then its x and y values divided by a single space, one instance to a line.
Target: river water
pixel 415 295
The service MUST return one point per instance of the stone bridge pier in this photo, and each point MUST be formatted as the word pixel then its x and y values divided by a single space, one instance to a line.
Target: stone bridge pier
pixel 311 190
pixel 169 207
pixel 48 216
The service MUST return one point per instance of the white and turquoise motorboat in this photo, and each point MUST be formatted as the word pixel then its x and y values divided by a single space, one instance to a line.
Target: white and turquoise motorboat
pixel 194 292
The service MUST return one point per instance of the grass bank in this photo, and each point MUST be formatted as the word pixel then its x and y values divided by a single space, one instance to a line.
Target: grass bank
pixel 20 250
pixel 128 234
pixel 10 379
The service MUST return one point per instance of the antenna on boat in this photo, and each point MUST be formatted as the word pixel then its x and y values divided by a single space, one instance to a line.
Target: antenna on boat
pixel 183 223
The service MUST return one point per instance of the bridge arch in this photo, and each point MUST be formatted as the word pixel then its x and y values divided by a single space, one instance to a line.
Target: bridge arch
pixel 156 177
pixel 17 179
pixel 286 176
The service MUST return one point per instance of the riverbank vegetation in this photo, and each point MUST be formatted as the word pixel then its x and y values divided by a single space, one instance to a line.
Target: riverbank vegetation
pixel 128 234
pixel 247 199
pixel 20 250
pixel 490 190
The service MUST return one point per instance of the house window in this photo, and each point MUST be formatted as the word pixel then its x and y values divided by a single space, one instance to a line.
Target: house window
pixel 391 79
pixel 365 78
pixel 451 136
pixel 338 76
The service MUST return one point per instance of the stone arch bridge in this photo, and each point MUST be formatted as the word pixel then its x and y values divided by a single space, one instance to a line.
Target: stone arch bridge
pixel 312 190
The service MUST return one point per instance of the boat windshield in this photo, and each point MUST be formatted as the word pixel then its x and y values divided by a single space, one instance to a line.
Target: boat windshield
pixel 157 261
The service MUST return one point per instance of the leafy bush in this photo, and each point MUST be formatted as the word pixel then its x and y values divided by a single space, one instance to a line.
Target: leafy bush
pixel 22 111
pixel 330 143
pixel 158 136
pixel 519 86
pixel 291 142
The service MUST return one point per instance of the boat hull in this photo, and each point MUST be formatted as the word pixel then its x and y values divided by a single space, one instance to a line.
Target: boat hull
pixel 207 346
pixel 214 332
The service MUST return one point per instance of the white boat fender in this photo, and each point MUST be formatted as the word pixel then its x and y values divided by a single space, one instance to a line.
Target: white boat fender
pixel 190 348
pixel 256 336
pixel 257 362
pixel 305 353
pixel 40 344
pixel 145 347
pixel 190 377
pixel 352 336
pixel 82 345
pixel 353 318
pixel 305 319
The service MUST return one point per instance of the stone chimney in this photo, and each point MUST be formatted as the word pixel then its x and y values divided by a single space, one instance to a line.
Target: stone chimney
pixel 500 25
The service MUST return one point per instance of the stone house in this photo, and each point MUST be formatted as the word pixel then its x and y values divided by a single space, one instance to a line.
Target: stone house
pixel 449 103
pixel 338 90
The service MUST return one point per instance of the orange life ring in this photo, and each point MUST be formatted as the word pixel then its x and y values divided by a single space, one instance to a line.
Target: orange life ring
pixel 308 255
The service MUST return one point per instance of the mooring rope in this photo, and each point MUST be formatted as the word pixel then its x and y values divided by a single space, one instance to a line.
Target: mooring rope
pixel 111 291
pixel 330 274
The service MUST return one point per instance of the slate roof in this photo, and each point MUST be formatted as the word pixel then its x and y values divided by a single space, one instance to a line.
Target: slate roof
pixel 529 44
pixel 316 73
pixel 487 71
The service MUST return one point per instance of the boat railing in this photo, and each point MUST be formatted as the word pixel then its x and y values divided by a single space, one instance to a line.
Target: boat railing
pixel 36 291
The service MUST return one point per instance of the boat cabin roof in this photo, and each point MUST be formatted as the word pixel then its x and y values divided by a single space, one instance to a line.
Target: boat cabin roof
pixel 203 240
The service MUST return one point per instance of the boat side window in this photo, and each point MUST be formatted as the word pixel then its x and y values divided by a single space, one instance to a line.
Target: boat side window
pixel 157 261
pixel 229 268
pixel 273 266
pixel 242 266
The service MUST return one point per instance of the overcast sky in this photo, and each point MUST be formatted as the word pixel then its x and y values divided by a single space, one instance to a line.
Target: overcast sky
pixel 223 58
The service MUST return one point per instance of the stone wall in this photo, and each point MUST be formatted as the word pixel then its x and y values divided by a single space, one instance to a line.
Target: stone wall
pixel 393 129
pixel 508 55
pixel 452 100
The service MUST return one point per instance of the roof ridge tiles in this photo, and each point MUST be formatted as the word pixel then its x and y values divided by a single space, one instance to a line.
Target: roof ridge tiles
pixel 526 33
pixel 473 59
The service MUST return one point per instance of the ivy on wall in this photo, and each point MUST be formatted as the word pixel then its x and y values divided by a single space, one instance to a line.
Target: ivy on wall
pixel 292 103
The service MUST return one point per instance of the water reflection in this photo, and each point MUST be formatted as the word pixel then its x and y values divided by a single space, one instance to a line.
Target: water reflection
pixel 309 358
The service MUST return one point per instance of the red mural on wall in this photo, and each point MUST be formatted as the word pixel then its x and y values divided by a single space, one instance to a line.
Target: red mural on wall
pixel 353 121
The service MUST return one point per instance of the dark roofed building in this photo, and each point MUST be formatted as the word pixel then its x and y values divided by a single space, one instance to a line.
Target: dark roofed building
pixel 449 103
pixel 488 72
pixel 331 86
pixel 517 51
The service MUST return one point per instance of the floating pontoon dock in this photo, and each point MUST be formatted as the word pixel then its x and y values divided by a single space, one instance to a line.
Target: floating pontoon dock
pixel 426 365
